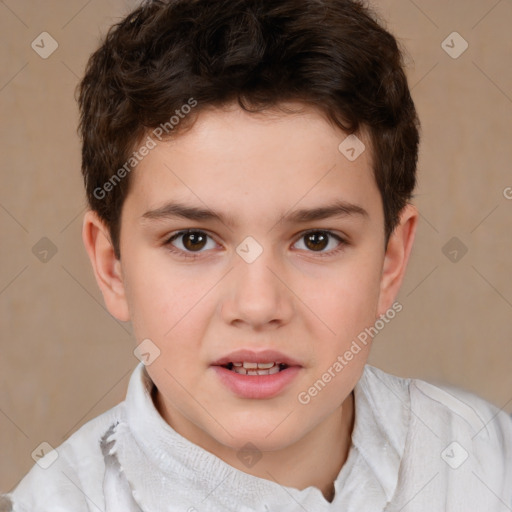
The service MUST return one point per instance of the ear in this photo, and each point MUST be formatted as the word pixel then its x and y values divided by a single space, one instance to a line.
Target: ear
pixel 107 268
pixel 396 257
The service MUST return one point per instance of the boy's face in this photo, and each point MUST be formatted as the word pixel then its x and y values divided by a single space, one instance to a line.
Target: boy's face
pixel 254 281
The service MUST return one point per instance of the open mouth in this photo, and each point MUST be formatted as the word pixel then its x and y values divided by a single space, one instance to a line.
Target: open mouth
pixel 256 375
pixel 247 368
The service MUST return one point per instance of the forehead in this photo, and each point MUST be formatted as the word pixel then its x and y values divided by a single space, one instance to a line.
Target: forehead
pixel 252 163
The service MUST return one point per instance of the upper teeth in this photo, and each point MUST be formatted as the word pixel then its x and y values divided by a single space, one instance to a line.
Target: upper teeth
pixel 252 366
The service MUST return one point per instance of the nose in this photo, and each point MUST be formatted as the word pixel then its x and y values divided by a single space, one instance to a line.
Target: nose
pixel 257 296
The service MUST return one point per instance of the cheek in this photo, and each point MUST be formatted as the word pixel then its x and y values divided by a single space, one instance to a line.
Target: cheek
pixel 163 302
pixel 344 301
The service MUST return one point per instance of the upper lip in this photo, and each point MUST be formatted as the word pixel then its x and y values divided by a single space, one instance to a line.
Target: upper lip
pixel 250 356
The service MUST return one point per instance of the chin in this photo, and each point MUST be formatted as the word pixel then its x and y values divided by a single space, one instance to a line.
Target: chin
pixel 270 435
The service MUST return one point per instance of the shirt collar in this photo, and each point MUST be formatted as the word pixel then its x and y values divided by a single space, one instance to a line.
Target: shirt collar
pixel 155 458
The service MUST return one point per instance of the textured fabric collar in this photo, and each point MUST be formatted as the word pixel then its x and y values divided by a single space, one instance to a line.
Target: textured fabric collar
pixel 158 462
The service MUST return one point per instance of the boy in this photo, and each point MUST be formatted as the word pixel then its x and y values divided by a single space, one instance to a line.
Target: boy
pixel 249 167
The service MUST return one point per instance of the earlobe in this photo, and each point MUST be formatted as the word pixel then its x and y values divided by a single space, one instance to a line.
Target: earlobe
pixel 107 268
pixel 396 257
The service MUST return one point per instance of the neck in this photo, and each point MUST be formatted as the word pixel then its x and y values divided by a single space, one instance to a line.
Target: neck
pixel 315 460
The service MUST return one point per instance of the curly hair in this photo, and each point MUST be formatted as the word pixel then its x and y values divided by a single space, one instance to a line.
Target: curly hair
pixel 334 55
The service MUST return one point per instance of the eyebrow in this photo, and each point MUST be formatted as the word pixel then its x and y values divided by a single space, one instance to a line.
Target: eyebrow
pixel 173 210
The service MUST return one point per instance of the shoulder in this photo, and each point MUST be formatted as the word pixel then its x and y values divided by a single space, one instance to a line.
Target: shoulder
pixel 466 410
pixel 469 428
pixel 454 438
pixel 71 474
pixel 444 412
pixel 448 402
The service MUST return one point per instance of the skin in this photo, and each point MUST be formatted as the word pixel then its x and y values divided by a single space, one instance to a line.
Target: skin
pixel 303 299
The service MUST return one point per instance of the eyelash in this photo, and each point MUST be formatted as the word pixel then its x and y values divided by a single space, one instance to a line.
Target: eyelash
pixel 194 255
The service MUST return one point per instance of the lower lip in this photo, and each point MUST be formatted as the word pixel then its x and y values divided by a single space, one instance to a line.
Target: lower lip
pixel 256 386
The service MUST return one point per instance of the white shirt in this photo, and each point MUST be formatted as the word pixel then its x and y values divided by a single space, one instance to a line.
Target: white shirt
pixel 415 447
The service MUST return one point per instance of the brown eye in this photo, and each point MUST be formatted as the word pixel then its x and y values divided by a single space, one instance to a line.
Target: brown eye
pixel 194 240
pixel 187 242
pixel 316 241
pixel 325 243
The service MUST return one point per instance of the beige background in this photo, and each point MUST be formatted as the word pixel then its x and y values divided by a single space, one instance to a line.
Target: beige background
pixel 64 360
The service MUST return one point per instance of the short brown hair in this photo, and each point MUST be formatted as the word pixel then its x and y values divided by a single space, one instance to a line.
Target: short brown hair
pixel 331 54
